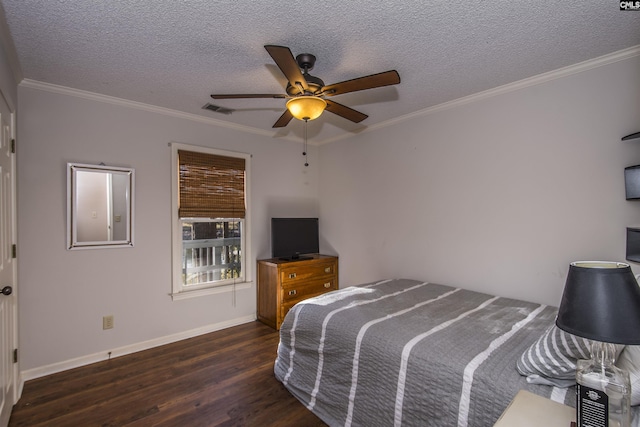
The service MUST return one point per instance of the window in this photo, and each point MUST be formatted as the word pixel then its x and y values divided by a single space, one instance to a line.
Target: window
pixel 210 220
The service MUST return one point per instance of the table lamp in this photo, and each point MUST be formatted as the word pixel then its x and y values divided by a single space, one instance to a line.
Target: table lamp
pixel 601 302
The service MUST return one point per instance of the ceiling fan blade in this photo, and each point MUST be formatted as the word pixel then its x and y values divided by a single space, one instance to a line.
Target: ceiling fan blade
pixel 346 112
pixel 284 119
pixel 367 82
pixel 284 59
pixel 241 96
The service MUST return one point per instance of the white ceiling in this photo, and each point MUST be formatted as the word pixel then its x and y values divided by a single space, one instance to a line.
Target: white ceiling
pixel 174 54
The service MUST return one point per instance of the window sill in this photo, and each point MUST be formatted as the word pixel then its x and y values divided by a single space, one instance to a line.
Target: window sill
pixel 210 291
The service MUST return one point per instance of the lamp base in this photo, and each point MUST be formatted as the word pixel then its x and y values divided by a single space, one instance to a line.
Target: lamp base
pixel 603 390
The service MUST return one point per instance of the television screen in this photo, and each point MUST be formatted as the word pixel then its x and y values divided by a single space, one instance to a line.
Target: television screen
pixel 291 237
pixel 633 244
pixel 632 182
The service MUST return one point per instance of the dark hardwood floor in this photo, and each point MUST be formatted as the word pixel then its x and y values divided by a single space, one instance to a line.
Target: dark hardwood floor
pixel 224 378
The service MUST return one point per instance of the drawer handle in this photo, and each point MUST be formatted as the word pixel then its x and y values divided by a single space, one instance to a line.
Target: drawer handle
pixel 327 285
pixel 292 276
pixel 327 269
pixel 293 292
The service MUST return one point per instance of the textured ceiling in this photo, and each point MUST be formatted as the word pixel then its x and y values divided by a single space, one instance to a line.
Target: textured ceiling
pixel 173 54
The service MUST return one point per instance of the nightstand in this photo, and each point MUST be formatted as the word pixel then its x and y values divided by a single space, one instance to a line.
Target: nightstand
pixel 530 410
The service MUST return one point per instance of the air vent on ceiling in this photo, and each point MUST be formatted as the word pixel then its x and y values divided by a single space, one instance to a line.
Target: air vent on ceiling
pixel 217 109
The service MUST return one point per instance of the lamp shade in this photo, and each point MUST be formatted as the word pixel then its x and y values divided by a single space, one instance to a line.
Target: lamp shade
pixel 601 302
pixel 306 107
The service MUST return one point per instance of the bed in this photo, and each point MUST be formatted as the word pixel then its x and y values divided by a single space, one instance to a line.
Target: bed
pixel 403 352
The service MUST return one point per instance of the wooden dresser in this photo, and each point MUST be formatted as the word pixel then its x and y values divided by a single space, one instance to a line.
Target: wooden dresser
pixel 281 284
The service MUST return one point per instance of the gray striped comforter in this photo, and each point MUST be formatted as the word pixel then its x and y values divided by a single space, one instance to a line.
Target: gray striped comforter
pixel 402 352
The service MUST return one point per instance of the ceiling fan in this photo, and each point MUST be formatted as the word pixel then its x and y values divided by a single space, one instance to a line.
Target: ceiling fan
pixel 307 94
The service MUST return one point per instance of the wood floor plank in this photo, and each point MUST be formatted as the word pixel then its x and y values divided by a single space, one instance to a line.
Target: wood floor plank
pixel 220 379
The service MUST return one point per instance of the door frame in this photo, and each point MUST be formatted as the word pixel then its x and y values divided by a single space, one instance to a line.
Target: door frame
pixel 16 378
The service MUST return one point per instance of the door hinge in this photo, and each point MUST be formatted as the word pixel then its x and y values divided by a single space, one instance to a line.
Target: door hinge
pixel 14 251
pixel 15 355
pixel 13 146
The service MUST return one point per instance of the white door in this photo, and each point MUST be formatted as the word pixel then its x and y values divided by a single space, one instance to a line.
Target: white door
pixel 8 271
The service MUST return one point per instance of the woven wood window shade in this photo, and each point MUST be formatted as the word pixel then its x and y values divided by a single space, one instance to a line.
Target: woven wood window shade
pixel 211 186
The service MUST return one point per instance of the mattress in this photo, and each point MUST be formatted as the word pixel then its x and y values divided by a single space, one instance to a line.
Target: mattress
pixel 407 353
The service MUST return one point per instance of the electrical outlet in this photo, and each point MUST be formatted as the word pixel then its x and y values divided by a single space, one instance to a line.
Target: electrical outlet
pixel 107 322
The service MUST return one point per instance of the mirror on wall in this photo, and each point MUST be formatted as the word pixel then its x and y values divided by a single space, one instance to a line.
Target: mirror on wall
pixel 99 206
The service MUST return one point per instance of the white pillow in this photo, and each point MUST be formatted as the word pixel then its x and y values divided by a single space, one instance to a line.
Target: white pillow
pixel 629 360
pixel 554 355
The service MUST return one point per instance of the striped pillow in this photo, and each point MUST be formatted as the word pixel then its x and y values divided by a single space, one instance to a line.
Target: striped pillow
pixel 629 360
pixel 554 355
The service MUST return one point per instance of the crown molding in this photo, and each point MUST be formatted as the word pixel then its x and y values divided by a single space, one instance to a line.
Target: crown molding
pixel 611 58
pixel 580 67
pixel 92 96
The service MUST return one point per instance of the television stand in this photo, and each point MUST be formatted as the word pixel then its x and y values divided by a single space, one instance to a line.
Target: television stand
pixel 284 282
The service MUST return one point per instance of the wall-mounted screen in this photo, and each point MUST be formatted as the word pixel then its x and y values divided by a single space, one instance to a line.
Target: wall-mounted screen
pixel 633 244
pixel 632 182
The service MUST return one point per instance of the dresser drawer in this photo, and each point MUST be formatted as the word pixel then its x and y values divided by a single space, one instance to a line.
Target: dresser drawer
pixel 308 289
pixel 290 276
pixel 311 289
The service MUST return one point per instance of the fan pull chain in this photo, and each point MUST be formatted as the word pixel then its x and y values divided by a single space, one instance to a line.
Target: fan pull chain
pixel 304 153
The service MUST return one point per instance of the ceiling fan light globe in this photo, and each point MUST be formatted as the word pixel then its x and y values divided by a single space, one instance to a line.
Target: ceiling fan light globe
pixel 306 107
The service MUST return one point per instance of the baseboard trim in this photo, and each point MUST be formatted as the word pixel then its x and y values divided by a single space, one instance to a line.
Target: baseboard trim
pixel 128 349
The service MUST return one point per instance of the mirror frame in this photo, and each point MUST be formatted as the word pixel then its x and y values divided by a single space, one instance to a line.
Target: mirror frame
pixel 72 205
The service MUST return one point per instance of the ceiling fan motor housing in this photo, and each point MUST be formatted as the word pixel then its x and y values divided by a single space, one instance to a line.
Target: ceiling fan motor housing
pixel 306 62
pixel 315 85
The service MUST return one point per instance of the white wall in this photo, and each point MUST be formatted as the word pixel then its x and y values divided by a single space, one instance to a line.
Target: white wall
pixel 64 294
pixel 497 195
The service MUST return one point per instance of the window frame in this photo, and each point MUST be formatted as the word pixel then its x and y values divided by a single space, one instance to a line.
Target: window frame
pixel 179 290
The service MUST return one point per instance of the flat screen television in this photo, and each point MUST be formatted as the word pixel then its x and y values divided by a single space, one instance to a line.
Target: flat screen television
pixel 632 182
pixel 293 237
pixel 633 244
